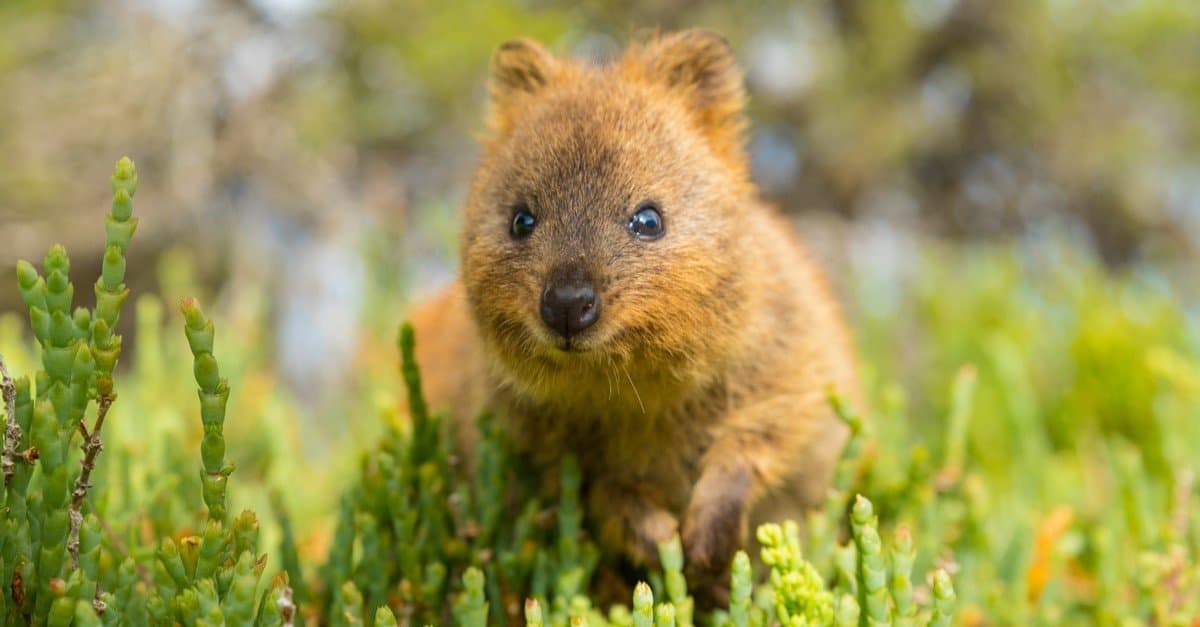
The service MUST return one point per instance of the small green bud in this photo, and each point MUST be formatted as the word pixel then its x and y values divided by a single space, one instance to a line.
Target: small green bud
pixel 212 549
pixel 112 272
pixel 106 358
pixel 189 553
pixel 39 319
pixel 533 613
pixel 847 611
pixel 59 293
pixel 102 335
pixel 664 615
pixel 122 205
pixel 643 605
pixel 109 301
pixel 172 563
pixel 207 372
pixel 84 364
pixel 903 556
pixel 212 407
pixel 470 609
pixel 85 614
pixel 119 233
pixel 671 554
pixel 213 490
pixel 200 340
pixel 384 617
pixel 193 316
pixel 740 588
pixel 57 260
pixel 212 451
pixel 27 275
pixel 245 532
pixel 124 176
pixel 62 612
pixel 62 329
pixel 349 603
pixel 45 435
pixel 59 362
pixel 23 397
pixel 619 616
pixel 83 323
pixel 863 511
pixel 104 385
pixel 770 534
pixel 943 599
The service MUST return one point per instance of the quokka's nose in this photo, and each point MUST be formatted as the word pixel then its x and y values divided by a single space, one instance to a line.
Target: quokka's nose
pixel 570 307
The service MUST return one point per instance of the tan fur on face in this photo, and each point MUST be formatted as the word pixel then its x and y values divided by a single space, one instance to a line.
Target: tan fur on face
pixel 697 398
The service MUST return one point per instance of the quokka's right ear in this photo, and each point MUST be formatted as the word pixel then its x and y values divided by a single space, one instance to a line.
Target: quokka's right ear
pixel 699 65
pixel 519 67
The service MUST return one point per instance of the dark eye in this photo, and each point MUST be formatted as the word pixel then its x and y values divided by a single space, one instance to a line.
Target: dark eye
pixel 522 223
pixel 647 222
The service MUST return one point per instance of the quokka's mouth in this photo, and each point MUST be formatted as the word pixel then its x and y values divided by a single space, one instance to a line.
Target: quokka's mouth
pixel 568 348
pixel 555 345
pixel 571 345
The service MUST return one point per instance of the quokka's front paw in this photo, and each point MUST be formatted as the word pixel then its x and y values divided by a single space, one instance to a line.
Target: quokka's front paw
pixel 633 526
pixel 710 538
pixel 715 526
pixel 655 527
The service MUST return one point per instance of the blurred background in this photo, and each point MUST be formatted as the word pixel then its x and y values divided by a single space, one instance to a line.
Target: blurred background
pixel 303 161
pixel 1013 186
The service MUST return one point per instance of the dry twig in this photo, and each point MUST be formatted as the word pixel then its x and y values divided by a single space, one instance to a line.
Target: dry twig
pixel 92 445
pixel 12 431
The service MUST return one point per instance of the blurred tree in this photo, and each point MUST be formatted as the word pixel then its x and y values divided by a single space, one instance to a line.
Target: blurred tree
pixel 969 118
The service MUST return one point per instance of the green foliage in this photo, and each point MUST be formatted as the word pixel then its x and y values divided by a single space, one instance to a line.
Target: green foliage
pixel 453 528
pixel 51 541
pixel 1064 455
pixel 1050 481
pixel 57 566
pixel 214 394
pixel 419 529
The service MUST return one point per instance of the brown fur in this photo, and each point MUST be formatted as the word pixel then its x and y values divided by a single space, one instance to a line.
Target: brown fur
pixel 696 403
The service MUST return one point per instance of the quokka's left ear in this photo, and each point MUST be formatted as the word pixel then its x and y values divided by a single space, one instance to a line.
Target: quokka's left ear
pixel 520 67
pixel 700 64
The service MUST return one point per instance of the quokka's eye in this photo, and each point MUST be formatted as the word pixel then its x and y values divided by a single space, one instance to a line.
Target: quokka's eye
pixel 522 223
pixel 647 222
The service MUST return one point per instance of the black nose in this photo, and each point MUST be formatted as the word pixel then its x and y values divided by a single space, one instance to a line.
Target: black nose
pixel 570 307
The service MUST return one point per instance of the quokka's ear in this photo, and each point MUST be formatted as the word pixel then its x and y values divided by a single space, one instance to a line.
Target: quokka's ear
pixel 519 67
pixel 701 65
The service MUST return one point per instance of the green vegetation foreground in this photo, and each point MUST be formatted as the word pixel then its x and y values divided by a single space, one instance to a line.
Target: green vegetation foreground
pixel 1052 479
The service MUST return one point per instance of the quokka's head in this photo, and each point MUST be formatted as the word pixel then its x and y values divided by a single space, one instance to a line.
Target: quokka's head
pixel 605 220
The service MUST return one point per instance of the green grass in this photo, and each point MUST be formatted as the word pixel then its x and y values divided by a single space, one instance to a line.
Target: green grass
pixel 1032 436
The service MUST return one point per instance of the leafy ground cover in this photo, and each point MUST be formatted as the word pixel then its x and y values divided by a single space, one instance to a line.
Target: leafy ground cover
pixel 1028 457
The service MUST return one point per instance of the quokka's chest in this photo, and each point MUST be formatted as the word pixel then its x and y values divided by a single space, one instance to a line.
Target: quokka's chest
pixel 614 439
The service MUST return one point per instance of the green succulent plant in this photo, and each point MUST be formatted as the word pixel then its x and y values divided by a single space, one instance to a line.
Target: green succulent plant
pixel 109 518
